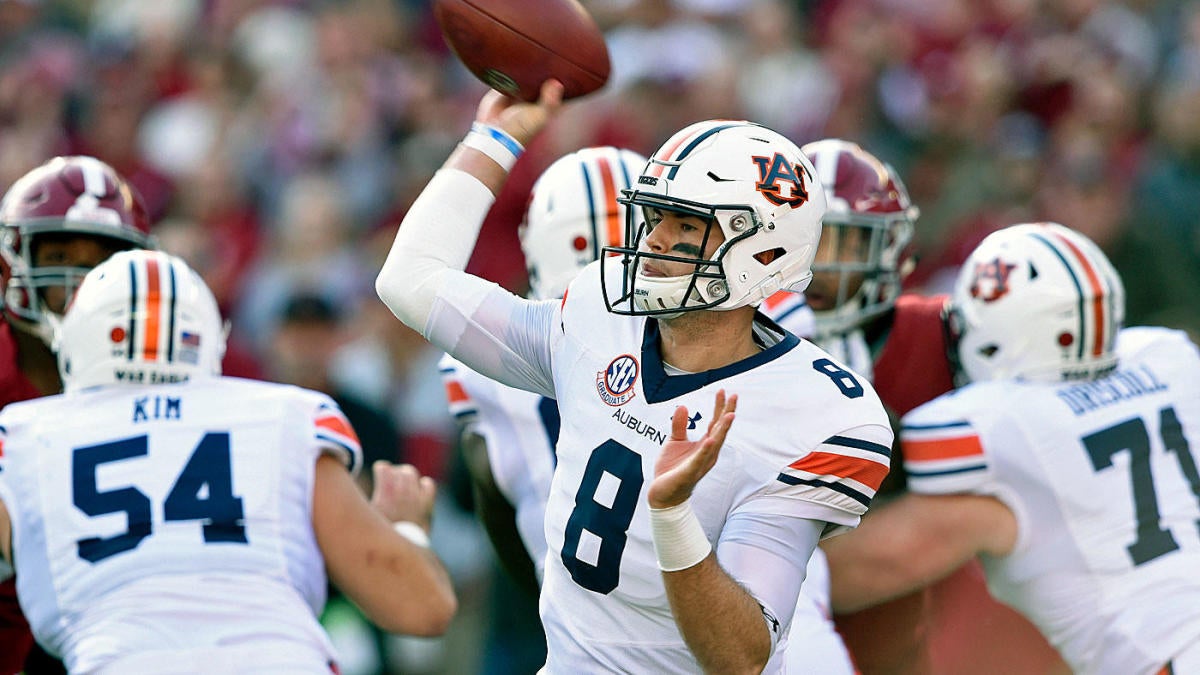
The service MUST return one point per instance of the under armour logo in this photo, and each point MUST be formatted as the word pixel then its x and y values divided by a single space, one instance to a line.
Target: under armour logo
pixel 693 420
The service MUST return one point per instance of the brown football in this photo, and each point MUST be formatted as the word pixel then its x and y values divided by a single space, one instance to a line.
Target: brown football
pixel 515 45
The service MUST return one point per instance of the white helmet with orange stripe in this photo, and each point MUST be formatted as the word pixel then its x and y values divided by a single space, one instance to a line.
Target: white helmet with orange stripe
pixel 573 214
pixel 140 317
pixel 1036 302
pixel 757 186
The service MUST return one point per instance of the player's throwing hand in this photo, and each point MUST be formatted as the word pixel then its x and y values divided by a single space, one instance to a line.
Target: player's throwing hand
pixel 683 463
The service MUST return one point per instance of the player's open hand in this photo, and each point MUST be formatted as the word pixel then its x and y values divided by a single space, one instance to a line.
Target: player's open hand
pixel 402 493
pixel 683 462
pixel 521 120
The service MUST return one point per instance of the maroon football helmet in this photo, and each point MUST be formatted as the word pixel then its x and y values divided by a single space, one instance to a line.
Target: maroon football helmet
pixel 79 196
pixel 865 237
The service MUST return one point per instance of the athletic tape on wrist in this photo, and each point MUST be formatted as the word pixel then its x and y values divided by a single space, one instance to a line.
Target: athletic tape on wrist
pixel 679 540
pixel 412 532
pixel 495 143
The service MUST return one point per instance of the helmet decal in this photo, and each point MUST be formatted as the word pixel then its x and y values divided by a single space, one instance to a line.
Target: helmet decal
pixel 780 171
pixel 991 280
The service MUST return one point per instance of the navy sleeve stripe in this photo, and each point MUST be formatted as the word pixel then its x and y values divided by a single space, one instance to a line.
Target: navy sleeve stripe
pixel 859 444
pixel 836 487
pixel 350 461
pixel 932 427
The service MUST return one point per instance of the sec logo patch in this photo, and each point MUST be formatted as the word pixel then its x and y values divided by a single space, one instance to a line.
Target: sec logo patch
pixel 615 384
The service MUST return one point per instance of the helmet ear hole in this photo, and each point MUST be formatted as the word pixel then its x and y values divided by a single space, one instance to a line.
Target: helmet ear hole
pixel 770 255
pixel 988 351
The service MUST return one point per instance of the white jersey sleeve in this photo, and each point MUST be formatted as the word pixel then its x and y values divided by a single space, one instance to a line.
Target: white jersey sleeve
pixel 492 331
pixel 519 429
pixel 171 517
pixel 1102 478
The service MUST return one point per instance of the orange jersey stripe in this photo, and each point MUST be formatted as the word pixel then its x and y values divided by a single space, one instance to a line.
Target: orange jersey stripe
pixel 777 298
pixel 455 392
pixel 337 425
pixel 942 448
pixel 153 308
pixel 1097 293
pixel 864 471
pixel 610 201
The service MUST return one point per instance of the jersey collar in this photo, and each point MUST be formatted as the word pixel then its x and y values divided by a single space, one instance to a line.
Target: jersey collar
pixel 658 386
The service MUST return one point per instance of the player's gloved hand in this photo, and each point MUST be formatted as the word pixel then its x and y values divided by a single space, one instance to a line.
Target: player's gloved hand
pixel 403 494
pixel 518 119
pixel 683 463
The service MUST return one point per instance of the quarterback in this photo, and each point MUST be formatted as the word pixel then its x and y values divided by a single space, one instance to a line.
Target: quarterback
pixel 651 531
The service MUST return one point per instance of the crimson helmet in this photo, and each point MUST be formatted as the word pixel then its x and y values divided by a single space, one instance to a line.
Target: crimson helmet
pixel 866 233
pixel 66 195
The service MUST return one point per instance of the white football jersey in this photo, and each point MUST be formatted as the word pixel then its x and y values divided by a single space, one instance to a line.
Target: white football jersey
pixel 520 429
pixel 172 518
pixel 792 312
pixel 810 441
pixel 1102 478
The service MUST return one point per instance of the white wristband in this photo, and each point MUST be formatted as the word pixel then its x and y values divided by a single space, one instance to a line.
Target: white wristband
pixel 679 541
pixel 495 143
pixel 412 532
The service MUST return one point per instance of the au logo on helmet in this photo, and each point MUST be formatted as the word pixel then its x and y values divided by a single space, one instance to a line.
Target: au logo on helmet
pixel 615 384
pixel 775 172
pixel 991 280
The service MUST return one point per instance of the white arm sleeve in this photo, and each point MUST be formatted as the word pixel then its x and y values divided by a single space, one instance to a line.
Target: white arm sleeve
pixel 768 556
pixel 422 281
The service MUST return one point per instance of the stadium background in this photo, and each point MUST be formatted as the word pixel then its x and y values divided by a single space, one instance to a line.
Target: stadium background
pixel 278 142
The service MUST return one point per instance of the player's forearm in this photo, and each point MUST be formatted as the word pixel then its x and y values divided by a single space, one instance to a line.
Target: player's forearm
pixel 722 624
pixel 437 234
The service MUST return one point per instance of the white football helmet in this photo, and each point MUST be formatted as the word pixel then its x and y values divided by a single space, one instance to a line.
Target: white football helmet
pixel 867 231
pixel 757 186
pixel 140 317
pixel 1036 302
pixel 573 214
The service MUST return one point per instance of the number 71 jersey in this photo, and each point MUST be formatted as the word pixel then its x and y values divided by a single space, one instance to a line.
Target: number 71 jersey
pixel 186 507
pixel 1102 478
pixel 811 440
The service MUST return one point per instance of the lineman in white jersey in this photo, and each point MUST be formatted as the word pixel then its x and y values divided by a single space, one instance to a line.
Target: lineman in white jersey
pixel 632 581
pixel 166 519
pixel 573 213
pixel 1069 464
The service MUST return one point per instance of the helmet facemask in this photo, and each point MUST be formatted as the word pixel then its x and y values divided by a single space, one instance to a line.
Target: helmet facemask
pixel 704 287
pixel 859 267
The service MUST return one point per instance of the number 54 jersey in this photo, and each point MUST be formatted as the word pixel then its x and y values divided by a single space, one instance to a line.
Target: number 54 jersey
pixel 811 440
pixel 1102 478
pixel 171 517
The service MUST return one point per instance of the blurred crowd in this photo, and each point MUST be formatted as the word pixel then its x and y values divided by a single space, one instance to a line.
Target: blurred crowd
pixel 278 143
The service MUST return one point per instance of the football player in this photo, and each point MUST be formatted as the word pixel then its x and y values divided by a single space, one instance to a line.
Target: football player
pixel 58 221
pixel 508 435
pixel 165 519
pixel 897 341
pixel 665 552
pixel 1068 464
